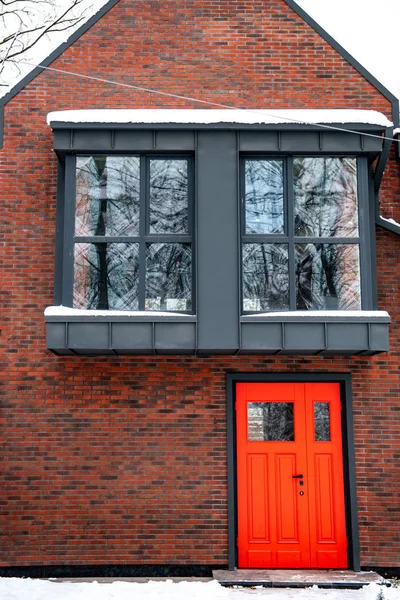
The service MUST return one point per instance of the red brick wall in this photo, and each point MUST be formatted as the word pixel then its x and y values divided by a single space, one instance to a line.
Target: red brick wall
pixel 124 460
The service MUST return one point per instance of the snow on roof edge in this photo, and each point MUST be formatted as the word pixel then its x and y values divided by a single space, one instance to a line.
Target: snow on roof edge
pixel 213 116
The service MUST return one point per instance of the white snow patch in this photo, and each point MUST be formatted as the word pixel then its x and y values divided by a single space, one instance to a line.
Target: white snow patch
pixel 36 589
pixel 299 314
pixel 392 221
pixel 66 311
pixel 396 131
pixel 211 116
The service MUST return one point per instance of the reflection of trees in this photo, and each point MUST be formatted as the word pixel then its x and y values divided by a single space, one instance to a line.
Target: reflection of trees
pixel 325 191
pixel 264 196
pixel 265 275
pixel 168 196
pixel 327 277
pixel 168 273
pixel 271 421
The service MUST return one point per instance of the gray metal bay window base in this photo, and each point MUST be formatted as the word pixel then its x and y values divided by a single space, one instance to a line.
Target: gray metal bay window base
pixel 294 334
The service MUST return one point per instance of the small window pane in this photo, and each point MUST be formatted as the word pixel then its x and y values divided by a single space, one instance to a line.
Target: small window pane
pixel 322 422
pixel 168 196
pixel 168 277
pixel 265 277
pixel 270 421
pixel 264 196
pixel 327 277
pixel 325 193
pixel 106 276
pixel 107 195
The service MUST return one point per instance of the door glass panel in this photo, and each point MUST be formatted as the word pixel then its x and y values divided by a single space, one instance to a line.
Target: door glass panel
pixel 322 426
pixel 325 197
pixel 270 421
pixel 327 277
pixel 107 196
pixel 168 196
pixel 264 196
pixel 265 277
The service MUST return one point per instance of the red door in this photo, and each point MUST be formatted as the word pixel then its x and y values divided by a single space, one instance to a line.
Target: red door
pixel 291 511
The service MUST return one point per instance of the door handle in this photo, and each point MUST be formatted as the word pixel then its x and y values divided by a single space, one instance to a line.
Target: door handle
pixel 297 476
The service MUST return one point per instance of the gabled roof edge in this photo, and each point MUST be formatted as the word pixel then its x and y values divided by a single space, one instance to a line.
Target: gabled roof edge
pixel 349 58
pixel 57 52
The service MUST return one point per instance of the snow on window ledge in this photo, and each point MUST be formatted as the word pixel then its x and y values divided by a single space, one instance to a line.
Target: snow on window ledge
pixel 66 311
pixel 320 314
pixel 212 116
pixel 392 221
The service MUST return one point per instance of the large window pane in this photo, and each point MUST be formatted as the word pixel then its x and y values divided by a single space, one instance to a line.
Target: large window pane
pixel 327 277
pixel 106 276
pixel 168 196
pixel 107 195
pixel 265 277
pixel 168 277
pixel 264 196
pixel 325 197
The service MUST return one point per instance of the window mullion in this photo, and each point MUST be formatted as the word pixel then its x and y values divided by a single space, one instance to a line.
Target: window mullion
pixel 69 230
pixel 289 198
pixel 144 190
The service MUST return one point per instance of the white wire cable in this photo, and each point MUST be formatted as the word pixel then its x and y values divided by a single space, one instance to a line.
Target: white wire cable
pixel 206 102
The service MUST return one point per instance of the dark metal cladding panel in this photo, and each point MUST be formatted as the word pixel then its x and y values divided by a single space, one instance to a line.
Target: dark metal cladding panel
pixel 262 336
pixel 92 139
pixel 348 336
pixel 218 243
pixel 304 336
pixel 174 336
pixel 88 336
pixel 133 140
pixel 62 139
pixel 379 337
pixel 300 141
pixel 175 140
pixel 259 141
pixel 55 336
pixel 131 336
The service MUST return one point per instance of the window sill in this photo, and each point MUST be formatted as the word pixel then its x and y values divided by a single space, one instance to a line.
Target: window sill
pixel 316 332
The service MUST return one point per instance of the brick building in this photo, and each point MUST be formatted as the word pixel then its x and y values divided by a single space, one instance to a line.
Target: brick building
pixel 215 380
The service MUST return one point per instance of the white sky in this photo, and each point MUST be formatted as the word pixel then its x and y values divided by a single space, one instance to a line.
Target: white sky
pixel 368 29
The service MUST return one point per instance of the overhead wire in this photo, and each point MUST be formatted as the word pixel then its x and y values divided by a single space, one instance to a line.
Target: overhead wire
pixel 205 102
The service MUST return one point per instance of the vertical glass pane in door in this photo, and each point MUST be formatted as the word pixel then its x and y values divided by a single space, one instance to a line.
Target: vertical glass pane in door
pixel 264 196
pixel 265 277
pixel 325 197
pixel 107 196
pixel 327 277
pixel 322 432
pixel 169 196
pixel 270 421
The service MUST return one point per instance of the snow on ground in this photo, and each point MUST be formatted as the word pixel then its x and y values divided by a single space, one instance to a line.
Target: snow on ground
pixel 36 589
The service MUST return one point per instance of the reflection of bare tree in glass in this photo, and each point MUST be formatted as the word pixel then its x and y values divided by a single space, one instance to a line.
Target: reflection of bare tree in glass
pixel 264 196
pixel 265 275
pixel 168 196
pixel 168 273
pixel 271 421
pixel 322 422
pixel 325 192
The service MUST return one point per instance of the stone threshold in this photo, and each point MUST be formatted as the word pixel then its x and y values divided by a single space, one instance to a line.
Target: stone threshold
pixel 297 578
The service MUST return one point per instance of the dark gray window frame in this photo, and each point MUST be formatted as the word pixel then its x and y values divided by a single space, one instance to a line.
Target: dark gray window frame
pixel 68 198
pixel 363 241
pixel 349 470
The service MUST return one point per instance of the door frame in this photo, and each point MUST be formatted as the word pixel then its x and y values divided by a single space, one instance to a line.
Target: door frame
pixel 349 471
